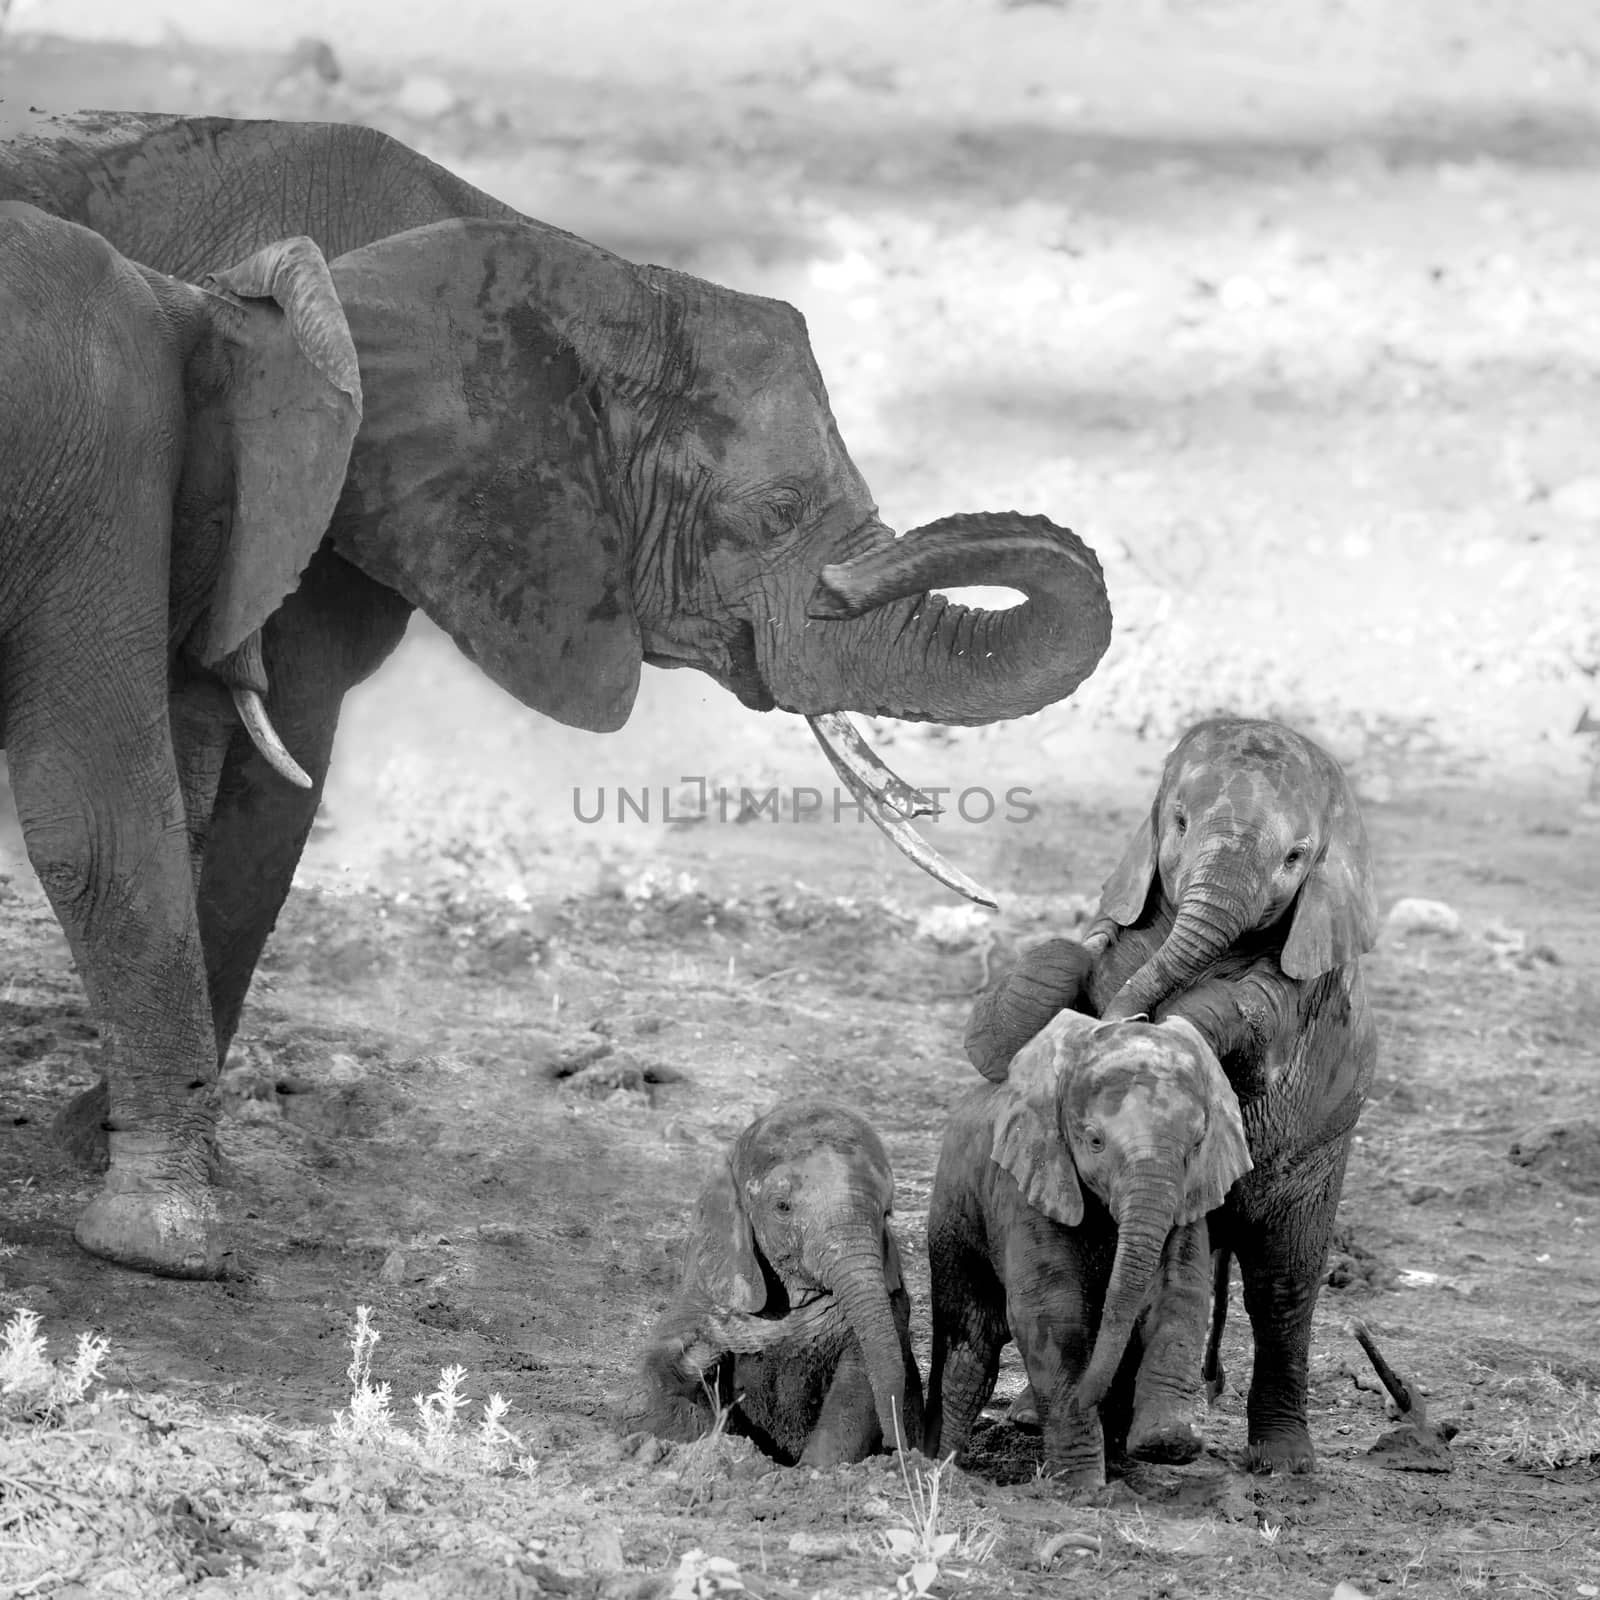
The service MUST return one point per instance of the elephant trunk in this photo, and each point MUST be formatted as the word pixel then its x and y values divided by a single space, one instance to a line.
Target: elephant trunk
pixel 855 1273
pixel 877 640
pixel 1219 902
pixel 1144 1219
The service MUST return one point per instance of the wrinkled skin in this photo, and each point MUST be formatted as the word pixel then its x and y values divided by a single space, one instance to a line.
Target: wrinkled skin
pixel 102 580
pixel 791 1309
pixel 1243 904
pixel 1139 1116
pixel 573 464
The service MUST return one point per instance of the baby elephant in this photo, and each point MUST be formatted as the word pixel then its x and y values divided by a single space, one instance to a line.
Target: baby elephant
pixel 792 1309
pixel 1139 1114
pixel 1242 903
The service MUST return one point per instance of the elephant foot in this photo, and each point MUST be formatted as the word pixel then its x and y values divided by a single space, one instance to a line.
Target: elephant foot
pixel 80 1127
pixel 1023 1412
pixel 1287 1452
pixel 1165 1438
pixel 153 1216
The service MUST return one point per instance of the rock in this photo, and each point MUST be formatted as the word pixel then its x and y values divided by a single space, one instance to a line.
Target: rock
pixel 424 97
pixel 1421 916
pixel 1569 1152
pixel 818 1546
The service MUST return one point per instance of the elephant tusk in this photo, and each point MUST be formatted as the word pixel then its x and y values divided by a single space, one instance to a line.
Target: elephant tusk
pixel 889 800
pixel 253 714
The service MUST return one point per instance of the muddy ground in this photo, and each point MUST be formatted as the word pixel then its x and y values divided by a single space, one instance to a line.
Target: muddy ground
pixel 1312 364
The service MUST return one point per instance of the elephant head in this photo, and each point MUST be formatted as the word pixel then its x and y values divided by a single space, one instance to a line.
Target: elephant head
pixel 272 396
pixel 574 465
pixel 1254 834
pixel 1142 1115
pixel 796 1214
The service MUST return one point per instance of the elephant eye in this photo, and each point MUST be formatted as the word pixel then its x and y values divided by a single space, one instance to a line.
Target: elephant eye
pixel 1180 822
pixel 783 1207
pixel 783 510
pixel 1094 1142
pixel 1295 856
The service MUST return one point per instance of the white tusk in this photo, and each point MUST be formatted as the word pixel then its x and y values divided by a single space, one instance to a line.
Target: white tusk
pixel 253 714
pixel 890 801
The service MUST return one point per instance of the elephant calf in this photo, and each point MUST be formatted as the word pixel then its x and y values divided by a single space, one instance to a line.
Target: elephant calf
pixel 1243 903
pixel 792 1312
pixel 1140 1115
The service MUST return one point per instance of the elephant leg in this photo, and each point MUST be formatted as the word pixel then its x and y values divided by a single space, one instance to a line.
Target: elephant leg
pixel 1281 1264
pixel 97 792
pixel 913 1423
pixel 969 1332
pixel 1049 978
pixel 335 630
pixel 202 721
pixel 1047 1309
pixel 1166 1397
pixel 203 724
pixel 847 1428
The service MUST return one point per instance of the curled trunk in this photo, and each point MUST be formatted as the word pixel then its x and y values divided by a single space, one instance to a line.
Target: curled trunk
pixel 881 643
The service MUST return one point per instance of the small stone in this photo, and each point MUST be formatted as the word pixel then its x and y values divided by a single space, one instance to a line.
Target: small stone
pixel 818 1546
pixel 393 1269
pixel 1422 916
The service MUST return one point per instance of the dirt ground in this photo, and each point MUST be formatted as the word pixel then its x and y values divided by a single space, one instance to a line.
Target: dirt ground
pixel 1308 351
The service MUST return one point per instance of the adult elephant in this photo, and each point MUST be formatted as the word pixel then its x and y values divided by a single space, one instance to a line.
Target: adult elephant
pixel 675 492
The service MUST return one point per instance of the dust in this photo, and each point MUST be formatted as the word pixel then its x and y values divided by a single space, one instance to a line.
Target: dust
pixel 1290 341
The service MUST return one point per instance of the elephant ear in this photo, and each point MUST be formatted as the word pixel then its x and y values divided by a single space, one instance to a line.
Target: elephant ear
pixel 1027 1139
pixel 479 488
pixel 722 1265
pixel 1124 893
pixel 1224 1154
pixel 1335 916
pixel 278 394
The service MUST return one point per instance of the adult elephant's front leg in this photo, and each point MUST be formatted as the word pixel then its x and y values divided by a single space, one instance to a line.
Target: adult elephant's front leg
pixel 97 793
pixel 202 720
pixel 335 630
pixel 1281 1242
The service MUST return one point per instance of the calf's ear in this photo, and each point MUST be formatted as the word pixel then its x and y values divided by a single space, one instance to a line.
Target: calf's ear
pixel 722 1264
pixel 1224 1154
pixel 1335 917
pixel 1028 1141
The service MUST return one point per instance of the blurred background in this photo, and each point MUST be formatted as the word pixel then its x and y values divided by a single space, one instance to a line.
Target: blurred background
pixel 1290 309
